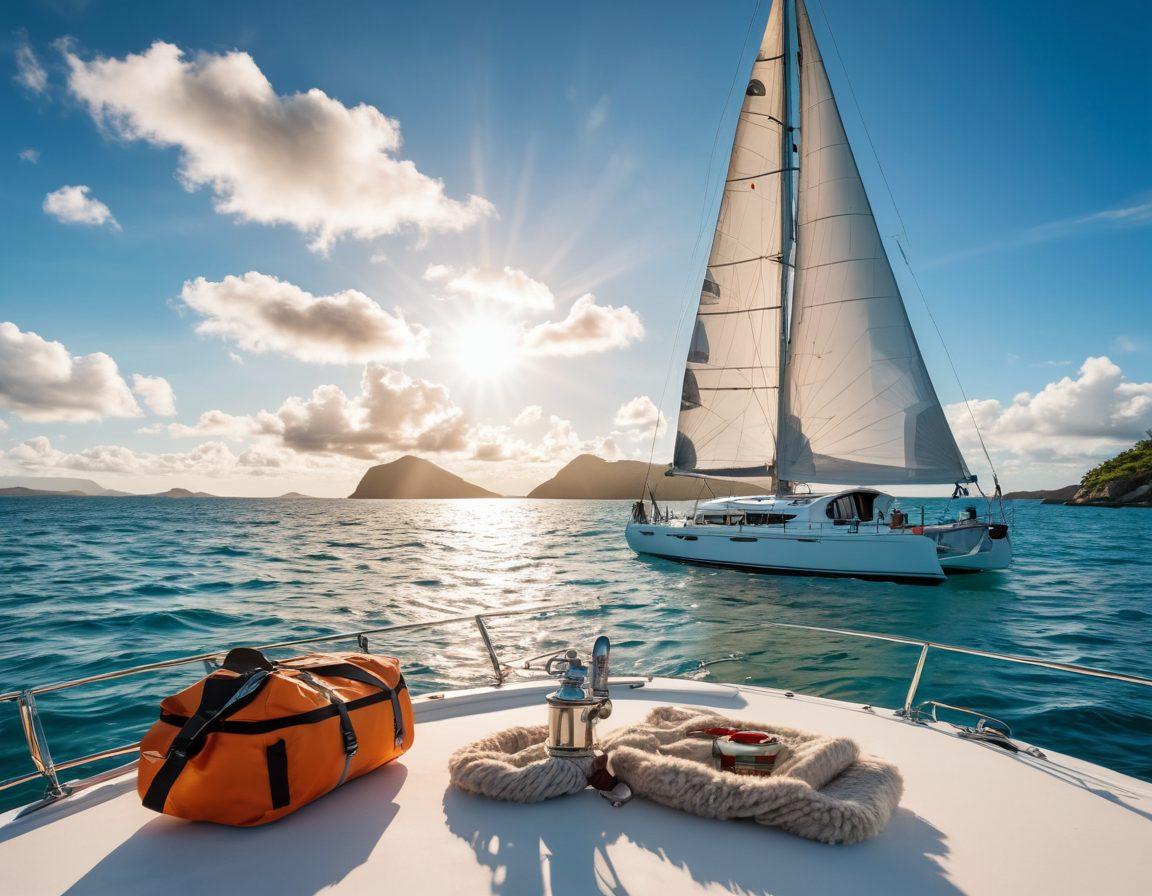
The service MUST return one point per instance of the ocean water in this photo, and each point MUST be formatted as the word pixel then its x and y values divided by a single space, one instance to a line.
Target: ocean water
pixel 97 584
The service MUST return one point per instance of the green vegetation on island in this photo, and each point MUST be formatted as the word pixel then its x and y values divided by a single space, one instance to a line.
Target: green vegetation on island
pixel 1124 480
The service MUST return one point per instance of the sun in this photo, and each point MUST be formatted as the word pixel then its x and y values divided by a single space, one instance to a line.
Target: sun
pixel 485 348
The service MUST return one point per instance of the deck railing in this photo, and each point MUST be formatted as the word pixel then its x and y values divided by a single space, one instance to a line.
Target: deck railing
pixel 48 769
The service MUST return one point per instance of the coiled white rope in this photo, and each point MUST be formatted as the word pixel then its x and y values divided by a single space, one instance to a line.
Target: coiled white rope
pixel 514 765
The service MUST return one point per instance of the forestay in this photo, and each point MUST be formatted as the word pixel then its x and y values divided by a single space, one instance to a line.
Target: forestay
pixel 861 407
pixel 728 407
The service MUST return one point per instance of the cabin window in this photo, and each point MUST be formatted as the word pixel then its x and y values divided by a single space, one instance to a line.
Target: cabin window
pixel 719 519
pixel 856 506
pixel 768 519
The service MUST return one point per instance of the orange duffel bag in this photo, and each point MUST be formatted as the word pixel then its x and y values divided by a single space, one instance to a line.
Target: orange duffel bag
pixel 256 739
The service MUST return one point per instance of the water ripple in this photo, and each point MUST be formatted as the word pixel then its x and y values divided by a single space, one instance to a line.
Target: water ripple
pixel 94 585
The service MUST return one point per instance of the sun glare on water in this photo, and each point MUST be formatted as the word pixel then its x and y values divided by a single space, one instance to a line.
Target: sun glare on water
pixel 485 348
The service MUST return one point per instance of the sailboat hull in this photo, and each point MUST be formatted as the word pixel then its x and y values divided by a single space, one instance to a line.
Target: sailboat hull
pixel 826 551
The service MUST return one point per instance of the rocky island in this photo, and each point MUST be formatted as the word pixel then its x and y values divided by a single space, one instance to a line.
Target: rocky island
pixel 1123 481
pixel 414 477
pixel 592 478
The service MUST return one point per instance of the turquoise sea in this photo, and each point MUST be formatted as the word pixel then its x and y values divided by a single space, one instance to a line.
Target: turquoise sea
pixel 96 584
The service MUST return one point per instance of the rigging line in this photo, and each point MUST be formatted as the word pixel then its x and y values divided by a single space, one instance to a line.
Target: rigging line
pixel 699 234
pixel 904 233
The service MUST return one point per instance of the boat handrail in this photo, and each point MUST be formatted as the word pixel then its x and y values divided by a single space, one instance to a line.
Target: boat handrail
pixel 48 770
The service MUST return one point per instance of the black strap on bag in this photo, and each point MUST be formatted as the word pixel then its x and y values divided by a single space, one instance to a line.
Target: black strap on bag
pixel 220 698
pixel 347 732
pixel 355 673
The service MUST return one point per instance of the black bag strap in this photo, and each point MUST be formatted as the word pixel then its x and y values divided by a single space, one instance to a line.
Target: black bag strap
pixel 220 698
pixel 363 676
pixel 347 731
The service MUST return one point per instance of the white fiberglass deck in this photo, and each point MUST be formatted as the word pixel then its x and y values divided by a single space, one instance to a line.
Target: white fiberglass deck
pixel 973 819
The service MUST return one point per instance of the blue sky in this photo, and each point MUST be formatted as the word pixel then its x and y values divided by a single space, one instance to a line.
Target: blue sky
pixel 1017 143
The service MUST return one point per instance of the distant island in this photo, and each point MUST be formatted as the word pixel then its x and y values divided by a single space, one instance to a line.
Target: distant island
pixel 1122 481
pixel 54 485
pixel 414 477
pixel 1048 496
pixel 20 491
pixel 592 478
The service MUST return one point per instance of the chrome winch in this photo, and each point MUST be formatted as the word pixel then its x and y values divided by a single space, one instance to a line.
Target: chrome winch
pixel 576 706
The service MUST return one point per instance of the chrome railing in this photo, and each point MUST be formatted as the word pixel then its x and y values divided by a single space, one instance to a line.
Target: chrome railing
pixel 37 741
pixel 48 770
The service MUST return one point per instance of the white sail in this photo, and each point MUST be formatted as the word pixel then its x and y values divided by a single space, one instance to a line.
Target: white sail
pixel 728 407
pixel 859 406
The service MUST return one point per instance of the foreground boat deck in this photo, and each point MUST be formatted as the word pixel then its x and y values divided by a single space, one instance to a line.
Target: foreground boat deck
pixel 974 819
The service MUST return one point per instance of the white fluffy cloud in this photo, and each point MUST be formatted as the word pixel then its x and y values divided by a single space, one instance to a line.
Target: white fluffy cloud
pixel 156 393
pixel 30 73
pixel 639 416
pixel 219 424
pixel 560 442
pixel 507 286
pixel 209 459
pixel 305 159
pixel 262 314
pixel 587 329
pixel 1068 425
pixel 30 154
pixel 392 412
pixel 40 380
pixel 76 205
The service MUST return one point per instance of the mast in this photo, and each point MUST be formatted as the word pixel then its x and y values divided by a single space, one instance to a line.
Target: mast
pixel 787 235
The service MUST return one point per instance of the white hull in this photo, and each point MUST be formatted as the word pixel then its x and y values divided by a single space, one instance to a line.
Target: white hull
pixel 838 551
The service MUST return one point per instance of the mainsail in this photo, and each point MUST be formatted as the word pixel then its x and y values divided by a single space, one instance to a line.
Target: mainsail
pixel 729 403
pixel 828 386
pixel 860 404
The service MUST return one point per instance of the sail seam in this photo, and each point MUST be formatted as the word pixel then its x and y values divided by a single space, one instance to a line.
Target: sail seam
pixel 728 264
pixel 734 180
pixel 737 311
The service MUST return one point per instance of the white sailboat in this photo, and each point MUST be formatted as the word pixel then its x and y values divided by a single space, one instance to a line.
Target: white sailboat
pixel 803 365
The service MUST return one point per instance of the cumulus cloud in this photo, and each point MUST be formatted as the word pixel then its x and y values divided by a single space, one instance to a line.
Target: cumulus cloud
pixel 220 424
pixel 31 155
pixel 304 159
pixel 30 73
pixel 209 459
pixel 508 286
pixel 639 416
pixel 40 380
pixel 156 393
pixel 560 442
pixel 587 329
pixel 76 205
pixel 263 314
pixel 1069 424
pixel 392 412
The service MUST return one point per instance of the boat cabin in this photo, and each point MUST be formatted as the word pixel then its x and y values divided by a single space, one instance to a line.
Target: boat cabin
pixel 863 505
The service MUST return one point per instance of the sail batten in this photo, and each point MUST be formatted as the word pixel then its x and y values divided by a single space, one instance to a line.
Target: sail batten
pixel 729 400
pixel 860 406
